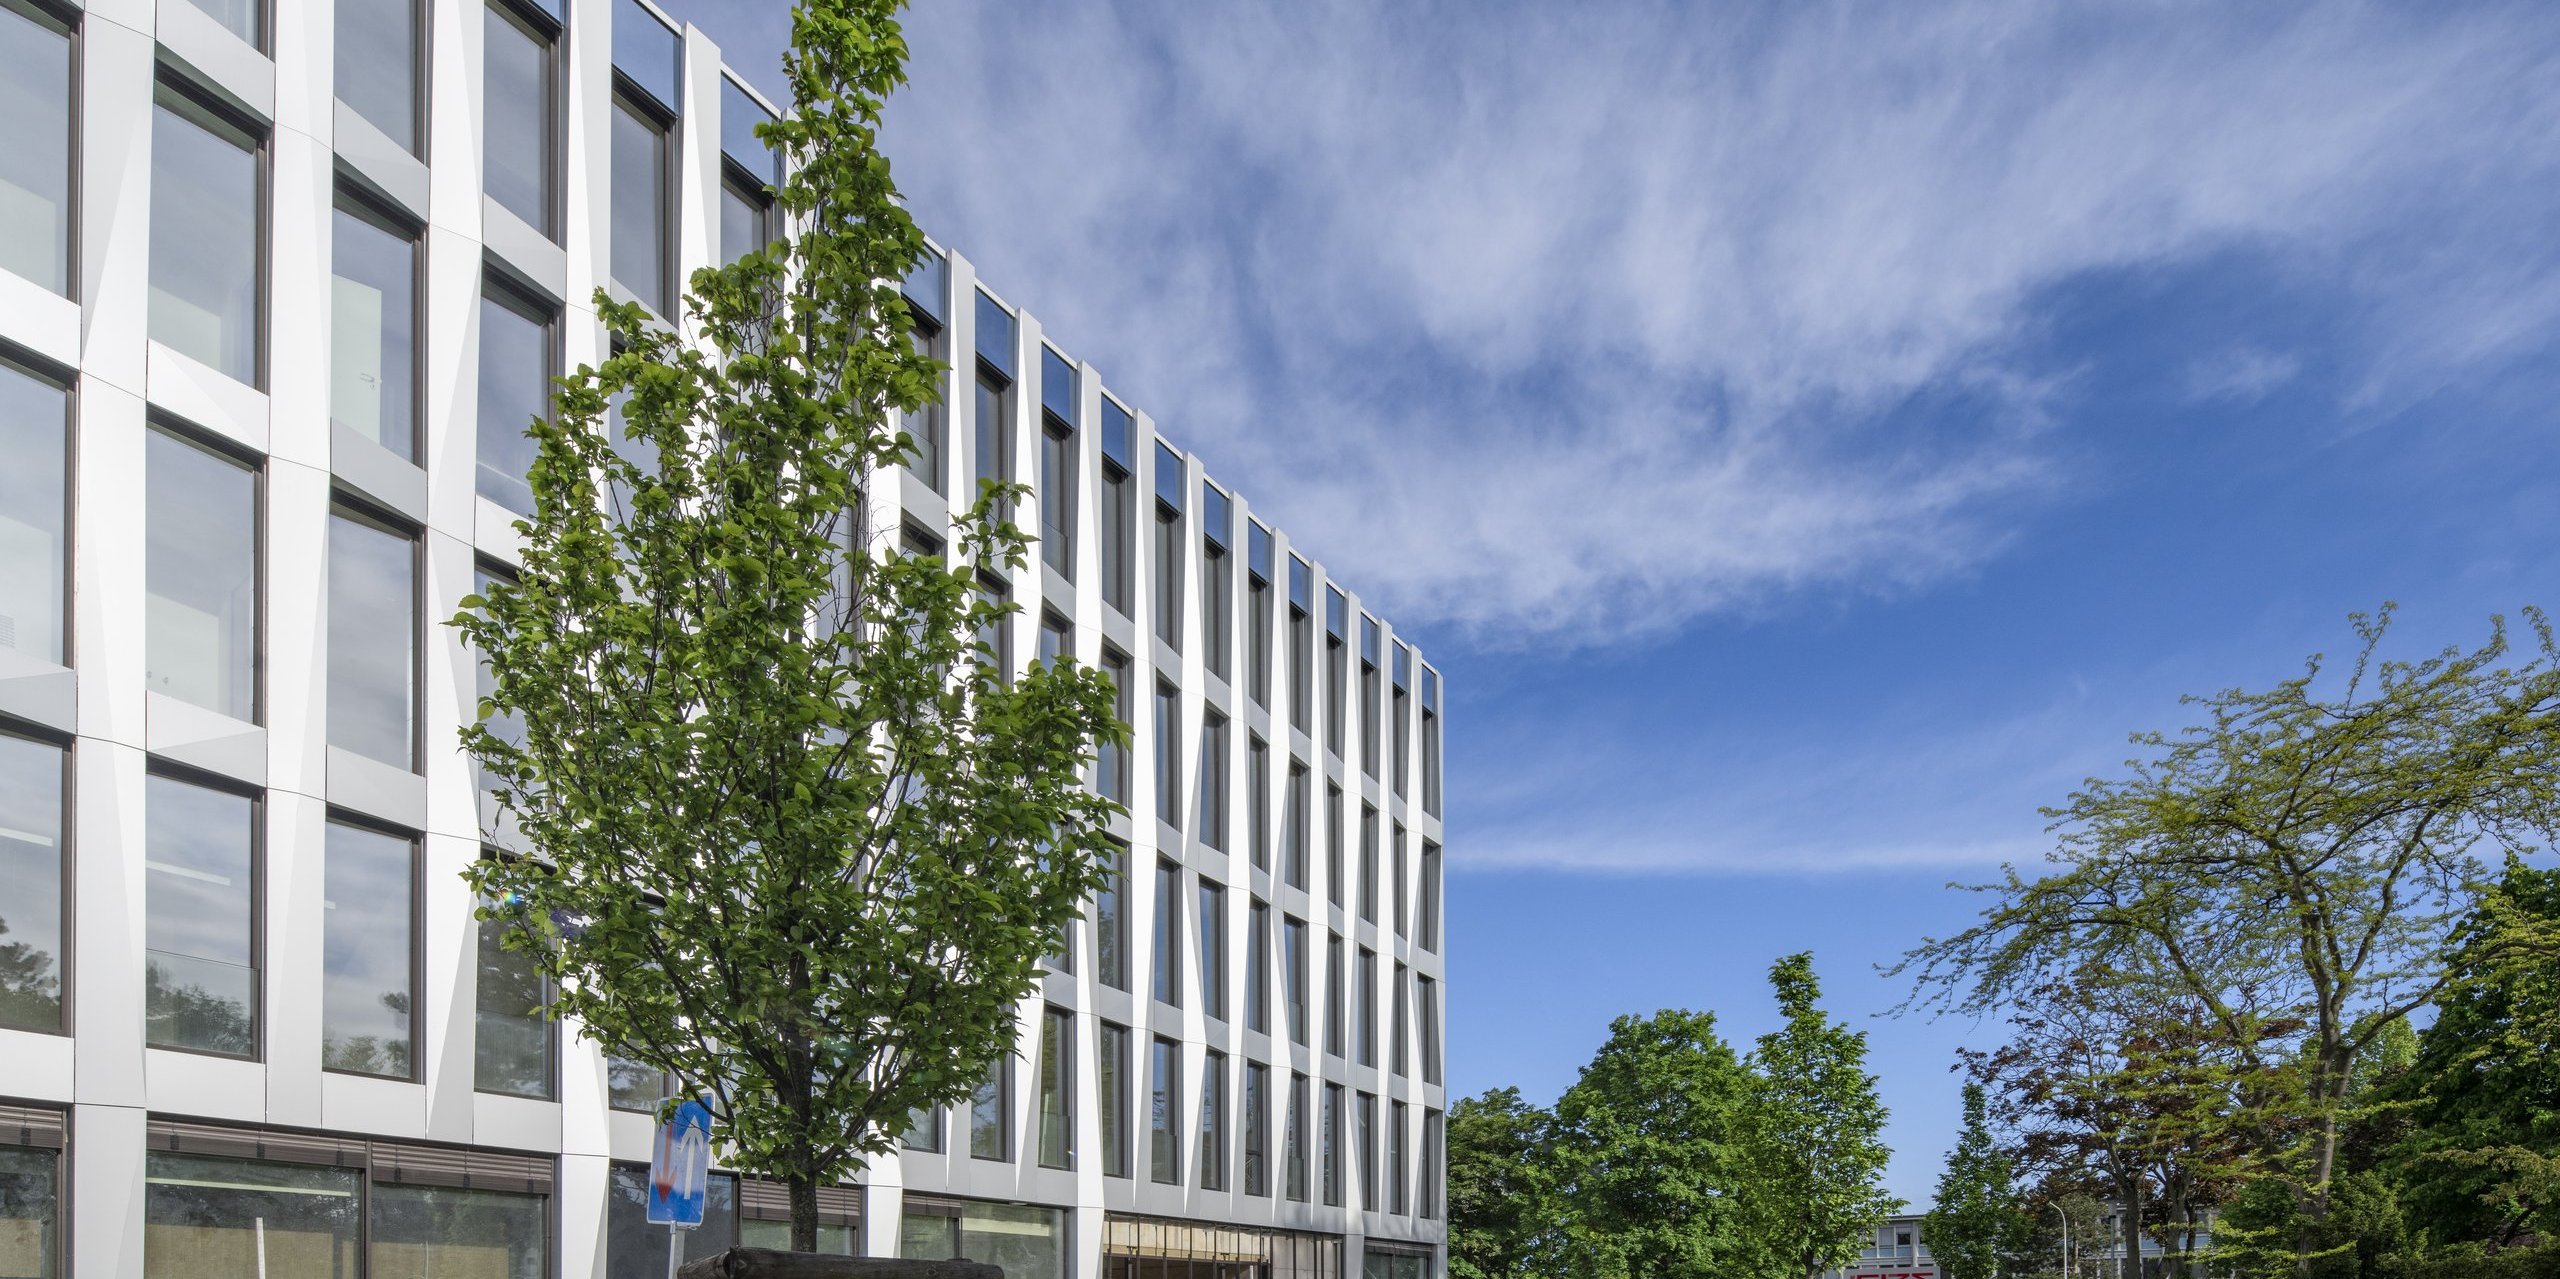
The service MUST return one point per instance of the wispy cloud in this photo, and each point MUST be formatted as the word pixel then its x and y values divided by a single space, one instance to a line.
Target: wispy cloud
pixel 2243 374
pixel 1582 321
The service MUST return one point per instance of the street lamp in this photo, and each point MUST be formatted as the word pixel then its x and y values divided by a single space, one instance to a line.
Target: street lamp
pixel 2065 1217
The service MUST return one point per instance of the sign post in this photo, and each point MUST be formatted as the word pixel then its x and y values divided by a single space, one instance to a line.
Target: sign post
pixel 679 1175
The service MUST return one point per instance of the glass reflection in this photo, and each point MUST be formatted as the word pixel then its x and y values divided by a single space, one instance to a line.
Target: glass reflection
pixel 365 952
pixel 199 913
pixel 200 618
pixel 204 238
pixel 373 623
pixel 243 1219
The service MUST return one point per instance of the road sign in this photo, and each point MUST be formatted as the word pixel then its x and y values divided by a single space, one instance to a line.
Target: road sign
pixel 680 1167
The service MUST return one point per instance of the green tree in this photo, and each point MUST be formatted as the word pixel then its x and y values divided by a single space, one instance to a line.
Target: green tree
pixel 2291 867
pixel 1815 1154
pixel 789 830
pixel 1499 1212
pixel 1648 1154
pixel 1975 1221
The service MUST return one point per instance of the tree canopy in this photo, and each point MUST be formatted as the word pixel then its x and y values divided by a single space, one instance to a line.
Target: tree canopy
pixel 1814 1161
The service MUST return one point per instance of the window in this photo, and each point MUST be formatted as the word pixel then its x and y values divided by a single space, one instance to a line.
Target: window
pixel 1164 1155
pixel 201 607
pixel 1297 1138
pixel 1399 713
pixel 1216 579
pixel 373 639
pixel 1364 1119
pixel 1169 754
pixel 1257 1128
pixel 1258 620
pixel 35 434
pixel 1333 1013
pixel 1111 758
pixel 928 428
pixel 633 1246
pixel 1057 639
pixel 377 64
pixel 1057 1089
pixel 1395 846
pixel 746 216
pixel 1031 1241
pixel 1364 1014
pixel 634 1086
pixel 1293 967
pixel 200 918
pixel 1369 695
pixel 208 205
pixel 1431 741
pixel 1213 1120
pixel 1213 950
pixel 1293 870
pixel 35 165
pixel 373 326
pixel 1213 780
pixel 518 357
pixel 1333 877
pixel 1337 689
pixel 991 1112
pixel 1429 929
pixel 1257 780
pixel 1368 863
pixel 442 1230
pixel 507 726
pixel 31 1201
pixel 994 424
pixel 1111 1096
pixel 1168 908
pixel 1119 508
pixel 519 75
pixel 513 1042
pixel 1396 1178
pixel 642 255
pixel 995 626
pixel 367 960
pixel 1111 921
pixel 1301 648
pixel 1395 1024
pixel 1168 581
pixel 1329 1126
pixel 924 1130
pixel 1257 980
pixel 206 1216
pixel 1426 994
pixel 243 18
pixel 31 883
pixel 1057 463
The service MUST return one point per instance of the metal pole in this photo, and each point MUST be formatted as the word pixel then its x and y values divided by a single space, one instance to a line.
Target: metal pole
pixel 675 1251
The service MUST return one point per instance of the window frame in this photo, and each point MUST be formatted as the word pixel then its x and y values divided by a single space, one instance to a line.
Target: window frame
pixel 154 766
pixel 68 26
pixel 628 96
pixel 173 91
pixel 344 505
pixel 66 833
pixel 417 936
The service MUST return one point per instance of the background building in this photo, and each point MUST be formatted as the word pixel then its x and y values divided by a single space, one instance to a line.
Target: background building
pixel 277 278
pixel 1896 1252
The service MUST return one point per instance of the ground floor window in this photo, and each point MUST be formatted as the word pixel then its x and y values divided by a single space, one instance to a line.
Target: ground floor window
pixel 1161 1248
pixel 1395 1263
pixel 1028 1242
pixel 250 1219
pixel 30 1193
pixel 735 1211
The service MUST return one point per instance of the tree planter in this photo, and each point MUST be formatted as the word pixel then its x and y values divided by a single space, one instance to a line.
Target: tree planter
pixel 765 1263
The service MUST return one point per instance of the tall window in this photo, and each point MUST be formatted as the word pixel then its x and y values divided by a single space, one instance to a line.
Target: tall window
pixel 1431 741
pixel 1395 847
pixel 1057 463
pixel 1293 969
pixel 1257 977
pixel 1399 713
pixel 31 885
pixel 513 1043
pixel 1426 994
pixel 366 957
pixel 991 1112
pixel 1434 1142
pixel 1111 1096
pixel 518 357
pixel 927 426
pixel 1111 921
pixel 1216 579
pixel 243 18
pixel 35 161
pixel 1329 1126
pixel 1119 508
pixel 1336 670
pixel 519 112
pixel 746 216
pixel 1302 633
pixel 1164 1113
pixel 200 918
pixel 1168 908
pixel 1169 754
pixel 373 639
pixel 1368 863
pixel 1057 1089
pixel 1364 1120
pixel 1258 613
pixel 1397 1180
pixel 1213 1120
pixel 200 619
pixel 1213 780
pixel 377 65
pixel 1333 847
pixel 924 1130
pixel 1293 869
pixel 1364 1012
pixel 208 205
pixel 1396 1020
pixel 35 555
pixel 1168 581
pixel 373 326
pixel 994 427
pixel 1297 1138
pixel 1111 759
pixel 643 257
pixel 1429 928
pixel 1257 781
pixel 1333 977
pixel 1369 696
pixel 1213 950
pixel 1257 1128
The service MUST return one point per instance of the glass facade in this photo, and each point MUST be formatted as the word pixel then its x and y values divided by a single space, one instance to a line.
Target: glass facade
pixel 373 327
pixel 30 1212
pixel 519 73
pixel 35 155
pixel 35 553
pixel 31 885
pixel 367 960
pixel 640 246
pixel 1023 1240
pixel 200 917
pixel 513 1039
pixel 206 1218
pixel 208 209
pixel 377 64
pixel 438 1230
pixel 373 639
pixel 201 611
pixel 516 365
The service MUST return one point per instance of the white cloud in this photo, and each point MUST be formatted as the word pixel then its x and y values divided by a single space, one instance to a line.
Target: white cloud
pixel 1581 314
pixel 2244 374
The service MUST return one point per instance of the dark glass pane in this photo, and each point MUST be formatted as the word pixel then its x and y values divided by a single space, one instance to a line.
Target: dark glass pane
pixel 517 127
pixel 635 1248
pixel 515 388
pixel 511 1031
pixel 365 952
pixel 30 1212
pixel 30 888
pixel 640 205
pixel 200 955
pixel 373 626
pixel 378 65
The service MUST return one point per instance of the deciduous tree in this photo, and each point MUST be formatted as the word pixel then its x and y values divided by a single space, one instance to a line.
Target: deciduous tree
pixel 1648 1153
pixel 1814 1160
pixel 1976 1220
pixel 1500 1213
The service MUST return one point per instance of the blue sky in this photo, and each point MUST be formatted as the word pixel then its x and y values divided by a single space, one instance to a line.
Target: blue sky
pixel 1808 436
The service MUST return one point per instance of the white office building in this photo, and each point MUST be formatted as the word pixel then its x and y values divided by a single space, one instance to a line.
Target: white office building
pixel 277 279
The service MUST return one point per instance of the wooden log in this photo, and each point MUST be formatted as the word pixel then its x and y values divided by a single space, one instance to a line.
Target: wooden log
pixel 765 1263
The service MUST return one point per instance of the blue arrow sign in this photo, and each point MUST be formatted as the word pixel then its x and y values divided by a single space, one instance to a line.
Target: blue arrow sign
pixel 680 1167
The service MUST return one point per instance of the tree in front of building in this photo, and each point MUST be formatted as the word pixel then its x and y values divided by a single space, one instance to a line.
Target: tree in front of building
pixel 1648 1154
pixel 1500 1213
pixel 1977 1220
pixel 1812 1186
pixel 784 825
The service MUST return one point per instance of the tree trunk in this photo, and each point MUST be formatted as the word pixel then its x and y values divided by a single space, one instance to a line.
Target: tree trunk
pixel 804 1214
pixel 2132 1210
